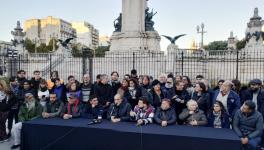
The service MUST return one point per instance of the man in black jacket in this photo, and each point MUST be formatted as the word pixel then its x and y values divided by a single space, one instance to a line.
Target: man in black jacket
pixel 165 114
pixel 103 91
pixel 119 110
pixel 93 110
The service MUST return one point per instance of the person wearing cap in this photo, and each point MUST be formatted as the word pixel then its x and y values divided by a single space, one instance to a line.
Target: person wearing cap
pixel 228 97
pixel 119 110
pixel 143 112
pixel 165 114
pixel 53 107
pixel 93 110
pixel 72 109
pixel 256 94
pixel 157 93
pixel 29 110
pixel 192 115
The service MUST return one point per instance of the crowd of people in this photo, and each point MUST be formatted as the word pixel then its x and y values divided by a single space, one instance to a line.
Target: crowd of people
pixel 168 100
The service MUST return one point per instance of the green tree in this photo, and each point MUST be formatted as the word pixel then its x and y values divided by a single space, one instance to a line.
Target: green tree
pixel 100 51
pixel 29 45
pixel 216 45
pixel 241 44
pixel 76 50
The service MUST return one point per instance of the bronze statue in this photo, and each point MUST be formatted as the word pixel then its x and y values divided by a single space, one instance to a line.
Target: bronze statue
pixel 149 24
pixel 118 23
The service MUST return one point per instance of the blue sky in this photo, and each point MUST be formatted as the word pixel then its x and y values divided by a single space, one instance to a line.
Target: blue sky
pixel 174 16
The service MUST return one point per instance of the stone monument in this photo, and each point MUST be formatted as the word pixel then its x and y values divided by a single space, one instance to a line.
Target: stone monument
pixel 18 41
pixel 134 29
pixel 254 35
pixel 231 42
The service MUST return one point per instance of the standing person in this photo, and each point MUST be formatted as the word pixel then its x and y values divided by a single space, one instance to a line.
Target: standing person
pixel 133 93
pixel 201 97
pixel 169 88
pixel 74 89
pixel 248 125
pixel 87 88
pixel 13 113
pixel 6 102
pixel 157 93
pixel 115 83
pixel 124 87
pixel 21 77
pixel 187 84
pixel 60 91
pixel 228 97
pixel 146 88
pixel 29 110
pixel 43 92
pixel 180 99
pixel 51 82
pixel 103 92
pixel 35 81
pixel 218 118
pixel 26 88
pixel 162 79
pixel 219 84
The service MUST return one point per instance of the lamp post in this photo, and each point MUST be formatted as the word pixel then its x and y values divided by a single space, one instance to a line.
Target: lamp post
pixel 200 30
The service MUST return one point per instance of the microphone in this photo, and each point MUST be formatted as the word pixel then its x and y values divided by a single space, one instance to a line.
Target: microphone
pixel 95 121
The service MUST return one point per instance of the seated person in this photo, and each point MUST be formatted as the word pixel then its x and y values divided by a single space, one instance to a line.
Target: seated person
pixel 93 110
pixel 218 117
pixel 29 110
pixel 248 125
pixel 53 107
pixel 72 109
pixel 119 110
pixel 143 112
pixel 165 114
pixel 192 115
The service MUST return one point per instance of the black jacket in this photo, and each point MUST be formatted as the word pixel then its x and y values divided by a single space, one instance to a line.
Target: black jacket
pixel 103 92
pixel 248 95
pixel 92 113
pixel 157 99
pixel 133 101
pixel 165 115
pixel 7 103
pixel 122 111
pixel 203 101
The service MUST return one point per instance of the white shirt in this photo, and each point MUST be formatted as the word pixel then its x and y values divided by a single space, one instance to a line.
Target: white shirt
pixel 255 99
pixel 222 99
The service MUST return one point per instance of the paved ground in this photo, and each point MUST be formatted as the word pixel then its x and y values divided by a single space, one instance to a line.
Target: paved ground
pixel 5 145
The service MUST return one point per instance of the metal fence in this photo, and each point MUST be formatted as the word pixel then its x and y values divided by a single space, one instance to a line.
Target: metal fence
pixel 214 64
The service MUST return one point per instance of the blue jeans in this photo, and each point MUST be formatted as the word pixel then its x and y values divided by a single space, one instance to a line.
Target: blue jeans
pixel 253 143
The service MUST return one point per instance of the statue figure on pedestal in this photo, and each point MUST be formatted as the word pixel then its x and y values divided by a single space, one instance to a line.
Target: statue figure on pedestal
pixel 149 24
pixel 118 23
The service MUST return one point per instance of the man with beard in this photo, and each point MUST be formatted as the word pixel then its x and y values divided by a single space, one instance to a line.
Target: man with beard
pixel 255 94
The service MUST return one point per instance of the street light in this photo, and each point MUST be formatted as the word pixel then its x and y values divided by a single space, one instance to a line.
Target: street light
pixel 202 32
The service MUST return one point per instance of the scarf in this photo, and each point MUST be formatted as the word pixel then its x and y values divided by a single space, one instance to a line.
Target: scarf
pixel 75 105
pixel 217 120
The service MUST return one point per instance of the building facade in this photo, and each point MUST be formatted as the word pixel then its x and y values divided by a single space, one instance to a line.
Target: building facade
pixel 43 30
pixel 87 34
